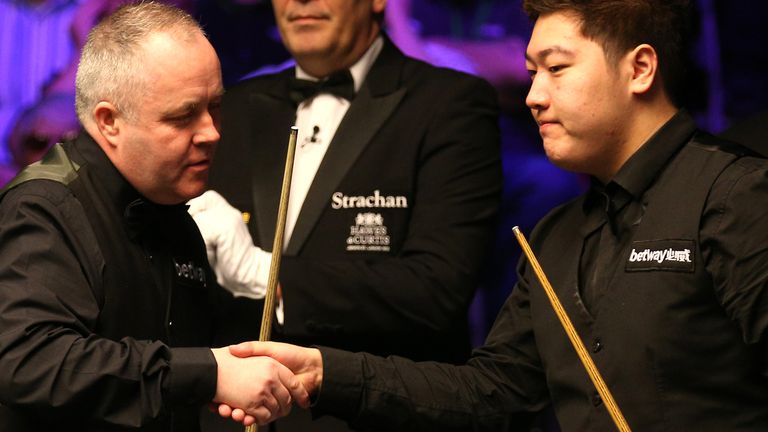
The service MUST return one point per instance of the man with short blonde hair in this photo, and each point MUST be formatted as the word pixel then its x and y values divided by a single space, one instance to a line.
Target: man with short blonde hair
pixel 107 302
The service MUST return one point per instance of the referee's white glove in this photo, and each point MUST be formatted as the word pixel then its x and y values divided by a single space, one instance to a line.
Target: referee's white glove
pixel 240 267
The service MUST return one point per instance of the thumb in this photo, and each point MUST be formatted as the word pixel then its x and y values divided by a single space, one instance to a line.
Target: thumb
pixel 248 349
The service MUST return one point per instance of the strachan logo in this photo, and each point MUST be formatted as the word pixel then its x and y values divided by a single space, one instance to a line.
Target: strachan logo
pixel 377 200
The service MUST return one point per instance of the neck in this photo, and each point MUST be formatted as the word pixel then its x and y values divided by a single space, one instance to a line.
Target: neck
pixel 322 65
pixel 646 120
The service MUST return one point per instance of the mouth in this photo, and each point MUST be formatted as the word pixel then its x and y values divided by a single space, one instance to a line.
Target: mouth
pixel 543 122
pixel 201 165
pixel 545 125
pixel 307 18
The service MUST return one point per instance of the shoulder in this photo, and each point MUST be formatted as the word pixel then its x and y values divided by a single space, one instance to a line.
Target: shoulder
pixel 39 191
pixel 424 77
pixel 740 162
pixel 421 78
pixel 257 83
pixel 742 184
pixel 43 206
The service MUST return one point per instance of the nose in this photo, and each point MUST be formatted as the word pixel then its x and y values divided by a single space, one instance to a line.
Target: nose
pixel 538 97
pixel 207 129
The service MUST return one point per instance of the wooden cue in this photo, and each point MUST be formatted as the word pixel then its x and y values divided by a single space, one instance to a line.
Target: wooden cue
pixel 277 247
pixel 578 345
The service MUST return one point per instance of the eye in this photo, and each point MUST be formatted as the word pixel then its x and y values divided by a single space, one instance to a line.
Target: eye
pixel 531 73
pixel 556 68
pixel 182 119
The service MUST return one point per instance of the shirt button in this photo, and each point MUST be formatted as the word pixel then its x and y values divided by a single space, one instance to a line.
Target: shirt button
pixel 597 345
pixel 170 323
pixel 596 399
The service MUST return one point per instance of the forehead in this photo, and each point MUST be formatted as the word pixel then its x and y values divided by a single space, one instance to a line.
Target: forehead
pixel 175 64
pixel 558 32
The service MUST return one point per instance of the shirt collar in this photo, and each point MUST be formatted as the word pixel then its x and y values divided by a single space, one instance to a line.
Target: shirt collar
pixel 137 211
pixel 359 70
pixel 644 166
pixel 89 153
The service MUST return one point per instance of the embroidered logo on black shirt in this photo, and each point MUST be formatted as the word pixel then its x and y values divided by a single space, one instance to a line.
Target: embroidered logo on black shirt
pixel 669 255
pixel 189 272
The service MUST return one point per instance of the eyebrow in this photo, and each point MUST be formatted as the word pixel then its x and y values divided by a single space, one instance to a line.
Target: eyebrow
pixel 555 49
pixel 190 105
pixel 180 109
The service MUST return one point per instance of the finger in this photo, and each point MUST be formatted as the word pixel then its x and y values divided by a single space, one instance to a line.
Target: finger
pixel 261 415
pixel 225 410
pixel 271 403
pixel 283 397
pixel 248 420
pixel 294 386
pixel 238 415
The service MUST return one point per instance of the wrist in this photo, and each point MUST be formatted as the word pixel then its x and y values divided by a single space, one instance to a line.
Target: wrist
pixel 316 368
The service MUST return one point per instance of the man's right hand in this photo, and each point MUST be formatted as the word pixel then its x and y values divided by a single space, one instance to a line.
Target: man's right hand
pixel 261 389
pixel 305 363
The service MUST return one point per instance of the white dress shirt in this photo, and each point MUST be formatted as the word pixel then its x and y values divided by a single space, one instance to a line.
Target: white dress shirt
pixel 241 267
pixel 325 112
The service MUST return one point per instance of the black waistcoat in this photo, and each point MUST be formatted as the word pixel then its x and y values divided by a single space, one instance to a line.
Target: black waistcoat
pixel 671 357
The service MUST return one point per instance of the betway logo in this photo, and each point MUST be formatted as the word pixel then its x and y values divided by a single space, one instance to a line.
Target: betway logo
pixel 190 271
pixel 660 256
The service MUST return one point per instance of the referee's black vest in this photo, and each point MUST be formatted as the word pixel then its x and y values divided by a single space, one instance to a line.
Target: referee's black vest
pixel 140 287
pixel 672 358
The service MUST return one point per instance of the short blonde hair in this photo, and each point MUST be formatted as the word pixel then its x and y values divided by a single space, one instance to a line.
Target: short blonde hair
pixel 110 64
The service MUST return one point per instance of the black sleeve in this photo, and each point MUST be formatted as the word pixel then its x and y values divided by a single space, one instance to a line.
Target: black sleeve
pixel 734 241
pixel 501 388
pixel 426 287
pixel 52 361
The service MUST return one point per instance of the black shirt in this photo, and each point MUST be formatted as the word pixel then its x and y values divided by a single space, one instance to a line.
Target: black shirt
pixel 614 211
pixel 96 285
pixel 681 348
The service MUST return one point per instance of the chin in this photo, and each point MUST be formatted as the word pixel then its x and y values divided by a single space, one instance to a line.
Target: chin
pixel 563 155
pixel 193 193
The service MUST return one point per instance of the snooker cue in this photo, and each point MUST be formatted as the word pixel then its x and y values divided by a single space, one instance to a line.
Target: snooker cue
pixel 570 330
pixel 277 247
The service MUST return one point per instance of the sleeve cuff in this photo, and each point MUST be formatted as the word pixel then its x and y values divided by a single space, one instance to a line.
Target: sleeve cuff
pixel 342 385
pixel 193 376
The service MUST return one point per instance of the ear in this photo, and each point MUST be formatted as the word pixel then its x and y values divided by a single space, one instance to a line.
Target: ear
pixel 378 5
pixel 645 64
pixel 108 121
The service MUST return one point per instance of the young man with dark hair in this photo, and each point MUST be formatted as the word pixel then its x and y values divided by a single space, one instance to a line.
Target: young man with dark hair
pixel 662 265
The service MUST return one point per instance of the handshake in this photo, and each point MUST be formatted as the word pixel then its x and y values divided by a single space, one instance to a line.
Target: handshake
pixel 259 381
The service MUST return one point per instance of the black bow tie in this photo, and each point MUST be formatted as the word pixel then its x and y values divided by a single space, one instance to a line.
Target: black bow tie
pixel 339 84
